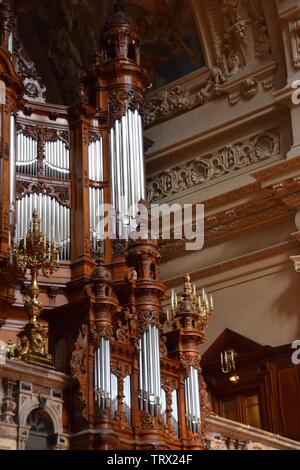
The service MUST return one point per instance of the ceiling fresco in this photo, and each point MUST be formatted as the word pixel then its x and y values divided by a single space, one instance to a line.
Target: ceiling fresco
pixel 170 44
pixel 61 36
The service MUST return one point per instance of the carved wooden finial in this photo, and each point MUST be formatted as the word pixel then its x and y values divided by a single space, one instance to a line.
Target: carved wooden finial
pixel 187 284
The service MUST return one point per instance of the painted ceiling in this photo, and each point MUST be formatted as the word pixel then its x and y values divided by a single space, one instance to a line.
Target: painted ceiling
pixel 60 36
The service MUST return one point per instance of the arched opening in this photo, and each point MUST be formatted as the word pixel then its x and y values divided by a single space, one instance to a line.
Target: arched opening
pixel 131 55
pixel 41 433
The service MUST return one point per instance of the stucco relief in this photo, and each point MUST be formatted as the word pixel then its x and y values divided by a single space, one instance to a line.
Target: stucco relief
pixel 177 99
pixel 240 33
pixel 206 168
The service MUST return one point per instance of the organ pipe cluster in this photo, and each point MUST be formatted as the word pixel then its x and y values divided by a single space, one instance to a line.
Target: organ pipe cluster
pixel 149 372
pixel 55 217
pixel 103 374
pixel 95 155
pixel 57 160
pixel 55 220
pixel 127 170
pixel 192 400
pixel 26 155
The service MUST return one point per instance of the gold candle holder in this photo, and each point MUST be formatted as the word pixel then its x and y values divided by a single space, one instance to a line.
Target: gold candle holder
pixel 35 254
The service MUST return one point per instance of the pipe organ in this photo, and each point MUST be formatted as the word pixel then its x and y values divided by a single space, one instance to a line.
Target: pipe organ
pixel 135 381
pixel 42 160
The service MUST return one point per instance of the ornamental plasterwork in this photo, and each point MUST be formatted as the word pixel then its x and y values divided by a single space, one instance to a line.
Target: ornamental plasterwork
pixel 175 99
pixel 294 30
pixel 206 168
pixel 239 37
pixel 239 31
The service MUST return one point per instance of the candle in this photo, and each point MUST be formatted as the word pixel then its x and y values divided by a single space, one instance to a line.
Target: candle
pixel 195 290
pixel 211 302
pixel 172 298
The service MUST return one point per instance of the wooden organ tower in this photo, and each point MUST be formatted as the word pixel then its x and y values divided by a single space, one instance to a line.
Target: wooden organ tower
pixel 136 381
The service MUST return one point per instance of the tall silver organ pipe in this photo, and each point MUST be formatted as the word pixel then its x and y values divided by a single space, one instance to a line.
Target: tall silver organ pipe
pixel 57 160
pixel 26 161
pixel 149 372
pixel 12 169
pixel 114 395
pixel 174 414
pixel 96 195
pixel 127 169
pixel 102 374
pixel 192 400
pixel 127 399
pixel 163 406
pixel 55 220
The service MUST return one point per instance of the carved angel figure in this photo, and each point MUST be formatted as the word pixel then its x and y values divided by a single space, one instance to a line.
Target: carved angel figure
pixel 78 359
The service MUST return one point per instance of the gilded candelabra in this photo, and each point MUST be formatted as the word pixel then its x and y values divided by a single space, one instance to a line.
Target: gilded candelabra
pixel 202 303
pixel 228 365
pixel 35 254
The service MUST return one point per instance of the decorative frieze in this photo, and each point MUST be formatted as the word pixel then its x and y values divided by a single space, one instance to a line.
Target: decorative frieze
pixel 60 192
pixel 206 168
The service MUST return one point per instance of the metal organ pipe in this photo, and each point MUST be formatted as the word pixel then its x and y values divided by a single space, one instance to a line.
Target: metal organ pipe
pixel 55 219
pixel 102 374
pixel 127 168
pixel 149 371
pixel 192 400
pixel 26 155
pixel 96 198
pixel 57 160
pixel 127 398
pixel 12 170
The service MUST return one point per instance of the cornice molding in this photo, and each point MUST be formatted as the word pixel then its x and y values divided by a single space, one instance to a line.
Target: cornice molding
pixel 235 263
pixel 278 169
pixel 251 122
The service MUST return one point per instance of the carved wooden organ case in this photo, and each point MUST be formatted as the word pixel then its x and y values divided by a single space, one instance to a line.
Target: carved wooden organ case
pixel 134 385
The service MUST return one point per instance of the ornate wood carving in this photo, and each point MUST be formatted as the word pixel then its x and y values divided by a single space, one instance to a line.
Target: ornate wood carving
pixel 60 192
pixel 121 100
pixel 78 366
